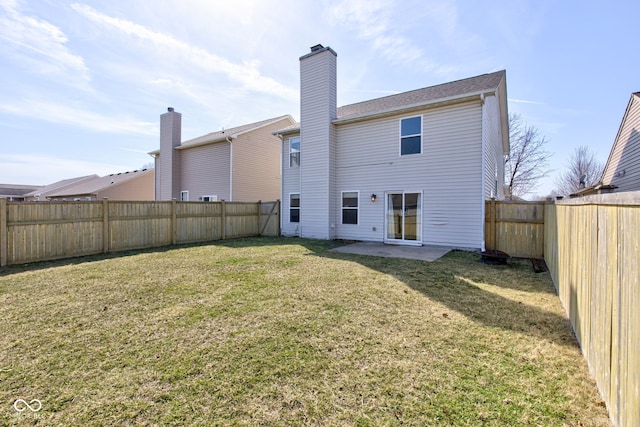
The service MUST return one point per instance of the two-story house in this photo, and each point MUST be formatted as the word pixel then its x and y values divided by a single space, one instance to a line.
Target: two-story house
pixel 414 168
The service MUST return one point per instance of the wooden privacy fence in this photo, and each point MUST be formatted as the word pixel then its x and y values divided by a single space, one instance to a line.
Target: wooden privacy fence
pixel 592 248
pixel 516 228
pixel 51 230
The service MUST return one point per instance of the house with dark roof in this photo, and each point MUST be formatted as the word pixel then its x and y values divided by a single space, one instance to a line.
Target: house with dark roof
pixel 414 168
pixel 130 185
pixel 236 164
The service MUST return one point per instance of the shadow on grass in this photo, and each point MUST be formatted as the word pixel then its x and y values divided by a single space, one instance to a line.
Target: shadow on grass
pixel 453 281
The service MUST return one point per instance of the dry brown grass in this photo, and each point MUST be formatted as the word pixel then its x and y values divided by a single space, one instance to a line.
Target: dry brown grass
pixel 281 332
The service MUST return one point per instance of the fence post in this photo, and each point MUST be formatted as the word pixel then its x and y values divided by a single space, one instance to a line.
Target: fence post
pixel 223 227
pixel 260 218
pixel 4 245
pixel 174 222
pixel 278 215
pixel 105 225
pixel 494 223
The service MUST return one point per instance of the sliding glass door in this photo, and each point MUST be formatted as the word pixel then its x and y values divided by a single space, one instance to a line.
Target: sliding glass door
pixel 404 214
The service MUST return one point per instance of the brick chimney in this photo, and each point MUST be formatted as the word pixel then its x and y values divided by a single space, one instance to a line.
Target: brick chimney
pixel 318 107
pixel 168 164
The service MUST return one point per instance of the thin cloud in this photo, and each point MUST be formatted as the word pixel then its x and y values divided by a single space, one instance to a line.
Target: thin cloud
pixel 78 117
pixel 377 22
pixel 247 74
pixel 42 46
pixel 525 101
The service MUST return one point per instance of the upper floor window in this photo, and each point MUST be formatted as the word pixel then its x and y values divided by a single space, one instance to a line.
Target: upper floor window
pixel 294 151
pixel 411 135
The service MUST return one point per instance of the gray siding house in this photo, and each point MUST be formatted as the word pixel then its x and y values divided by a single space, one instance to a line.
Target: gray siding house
pixel 622 170
pixel 237 164
pixel 414 168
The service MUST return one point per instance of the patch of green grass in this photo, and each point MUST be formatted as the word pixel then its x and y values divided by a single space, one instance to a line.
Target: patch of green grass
pixel 281 332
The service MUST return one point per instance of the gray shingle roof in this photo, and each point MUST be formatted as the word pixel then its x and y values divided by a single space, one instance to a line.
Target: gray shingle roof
pixel 91 186
pixel 58 185
pixel 428 95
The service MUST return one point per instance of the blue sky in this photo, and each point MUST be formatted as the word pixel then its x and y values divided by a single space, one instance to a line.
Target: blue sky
pixel 83 83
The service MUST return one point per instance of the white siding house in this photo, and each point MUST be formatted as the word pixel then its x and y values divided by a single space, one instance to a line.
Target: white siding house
pixel 414 168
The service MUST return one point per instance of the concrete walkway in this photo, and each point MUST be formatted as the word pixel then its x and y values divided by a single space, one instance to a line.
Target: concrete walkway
pixel 424 253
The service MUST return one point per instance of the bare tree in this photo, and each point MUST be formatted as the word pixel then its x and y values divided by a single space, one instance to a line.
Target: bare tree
pixel 528 160
pixel 583 170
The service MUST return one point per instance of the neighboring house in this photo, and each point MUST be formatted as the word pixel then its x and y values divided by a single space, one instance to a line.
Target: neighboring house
pixel 16 192
pixel 238 164
pixel 42 194
pixel 134 185
pixel 622 170
pixel 413 168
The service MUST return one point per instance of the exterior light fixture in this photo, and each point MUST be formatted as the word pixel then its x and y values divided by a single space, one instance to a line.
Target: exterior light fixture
pixel 373 198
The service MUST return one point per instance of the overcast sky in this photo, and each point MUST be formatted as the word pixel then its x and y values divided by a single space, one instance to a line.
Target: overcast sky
pixel 83 83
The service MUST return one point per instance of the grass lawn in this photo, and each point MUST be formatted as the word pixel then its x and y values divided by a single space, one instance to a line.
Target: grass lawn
pixel 275 331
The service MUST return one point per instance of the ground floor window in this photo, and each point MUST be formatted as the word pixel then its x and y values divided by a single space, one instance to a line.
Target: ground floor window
pixel 349 207
pixel 294 207
pixel 184 196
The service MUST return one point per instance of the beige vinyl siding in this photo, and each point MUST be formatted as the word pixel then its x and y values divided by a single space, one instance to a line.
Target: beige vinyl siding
pixel 448 173
pixel 256 164
pixel 317 109
pixel 206 171
pixel 493 152
pixel 290 184
pixel 624 159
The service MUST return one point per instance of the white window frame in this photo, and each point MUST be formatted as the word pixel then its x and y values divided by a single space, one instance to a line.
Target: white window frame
pixel 184 196
pixel 342 207
pixel 410 136
pixel 298 208
pixel 291 152
pixel 209 198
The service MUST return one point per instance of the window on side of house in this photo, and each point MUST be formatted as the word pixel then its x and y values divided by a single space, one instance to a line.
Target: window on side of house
pixel 294 207
pixel 411 135
pixel 294 152
pixel 184 196
pixel 210 198
pixel 350 207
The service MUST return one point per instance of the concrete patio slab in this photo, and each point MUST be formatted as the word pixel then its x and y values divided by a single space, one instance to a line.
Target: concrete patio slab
pixel 423 253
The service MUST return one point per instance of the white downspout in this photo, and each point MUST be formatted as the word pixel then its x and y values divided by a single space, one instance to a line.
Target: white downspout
pixel 482 181
pixel 281 179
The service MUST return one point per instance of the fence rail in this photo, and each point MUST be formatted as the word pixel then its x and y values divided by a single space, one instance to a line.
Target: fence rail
pixel 52 230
